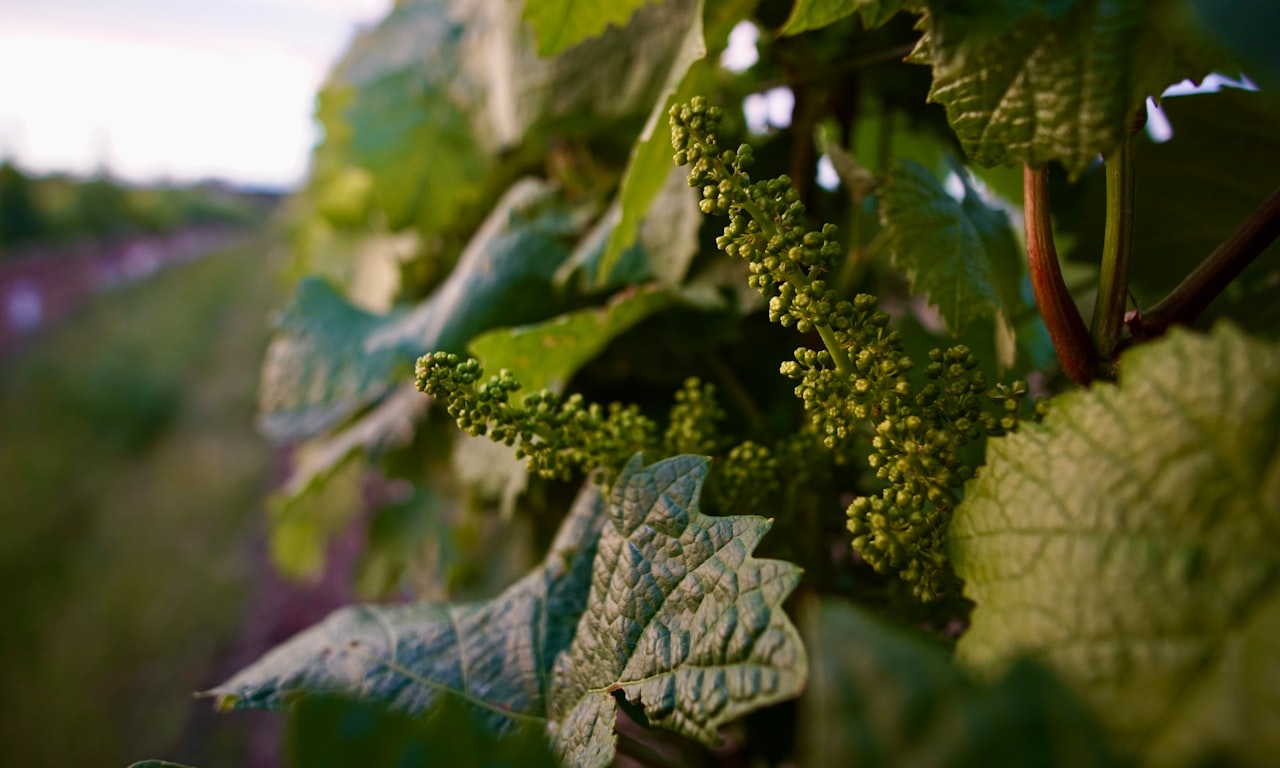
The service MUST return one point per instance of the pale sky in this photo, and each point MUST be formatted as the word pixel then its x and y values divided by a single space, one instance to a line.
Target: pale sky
pixel 178 90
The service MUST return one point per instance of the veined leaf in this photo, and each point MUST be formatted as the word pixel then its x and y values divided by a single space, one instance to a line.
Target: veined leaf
pixel 329 359
pixel 816 14
pixel 1132 540
pixel 547 354
pixel 404 120
pixel 1030 82
pixel 495 656
pixel 879 697
pixel 961 253
pixel 644 598
pixel 560 24
pixel 681 620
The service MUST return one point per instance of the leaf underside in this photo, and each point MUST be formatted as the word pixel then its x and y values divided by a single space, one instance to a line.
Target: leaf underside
pixel 1030 82
pixel 961 253
pixel 330 359
pixel 561 24
pixel 1132 540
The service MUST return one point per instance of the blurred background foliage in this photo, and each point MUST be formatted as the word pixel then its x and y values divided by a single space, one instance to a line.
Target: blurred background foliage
pixel 57 209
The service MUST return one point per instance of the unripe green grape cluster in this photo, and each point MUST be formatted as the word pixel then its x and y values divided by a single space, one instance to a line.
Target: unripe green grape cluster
pixel 857 386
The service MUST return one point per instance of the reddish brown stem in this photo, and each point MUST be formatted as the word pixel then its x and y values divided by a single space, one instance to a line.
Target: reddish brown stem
pixel 1070 338
pixel 1185 303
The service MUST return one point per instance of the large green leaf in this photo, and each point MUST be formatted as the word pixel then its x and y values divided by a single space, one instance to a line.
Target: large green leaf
pixel 561 24
pixel 880 697
pixel 330 359
pixel 587 88
pixel 1195 189
pixel 644 598
pixel 681 620
pixel 423 104
pixel 961 253
pixel 547 354
pixel 494 655
pixel 1030 82
pixel 405 114
pixel 1132 540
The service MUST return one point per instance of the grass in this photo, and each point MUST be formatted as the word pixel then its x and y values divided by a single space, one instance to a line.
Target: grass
pixel 131 483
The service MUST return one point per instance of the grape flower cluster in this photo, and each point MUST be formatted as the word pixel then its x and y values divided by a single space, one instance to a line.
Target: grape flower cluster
pixel 560 437
pixel 857 384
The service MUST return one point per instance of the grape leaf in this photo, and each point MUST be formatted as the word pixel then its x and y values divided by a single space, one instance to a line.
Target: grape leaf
pixel 330 359
pixel 547 354
pixel 1030 82
pixel 681 620
pixel 879 697
pixel 644 598
pixel 961 253
pixel 495 656
pixel 424 102
pixel 591 87
pixel 816 14
pixel 1132 541
pixel 561 24
pixel 404 117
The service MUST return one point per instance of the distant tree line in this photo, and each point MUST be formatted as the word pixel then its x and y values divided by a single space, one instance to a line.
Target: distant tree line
pixel 62 209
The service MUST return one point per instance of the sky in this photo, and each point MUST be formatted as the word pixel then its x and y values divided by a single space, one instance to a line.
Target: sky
pixel 175 90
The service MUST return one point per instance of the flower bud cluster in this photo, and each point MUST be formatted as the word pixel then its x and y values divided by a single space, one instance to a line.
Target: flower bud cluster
pixel 694 426
pixel 766 225
pixel 559 437
pixel 858 385
pixel 746 478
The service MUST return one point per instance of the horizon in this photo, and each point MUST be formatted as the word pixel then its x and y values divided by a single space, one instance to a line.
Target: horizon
pixel 156 94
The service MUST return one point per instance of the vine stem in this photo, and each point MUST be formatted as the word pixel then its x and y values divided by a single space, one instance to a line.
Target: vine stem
pixel 1113 280
pixel 1185 303
pixel 1070 338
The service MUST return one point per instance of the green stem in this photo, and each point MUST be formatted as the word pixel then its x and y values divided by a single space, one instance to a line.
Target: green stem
pixel 839 357
pixel 1113 280
pixel 1066 328
pixel 1185 303
pixel 843 363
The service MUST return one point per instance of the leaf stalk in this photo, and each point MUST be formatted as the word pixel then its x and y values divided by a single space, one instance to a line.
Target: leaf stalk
pixel 1194 294
pixel 1066 328
pixel 1113 281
